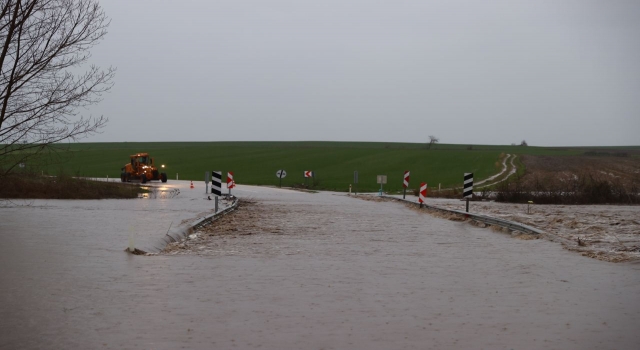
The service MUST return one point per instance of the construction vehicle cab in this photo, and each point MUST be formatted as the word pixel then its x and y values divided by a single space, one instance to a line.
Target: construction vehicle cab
pixel 141 167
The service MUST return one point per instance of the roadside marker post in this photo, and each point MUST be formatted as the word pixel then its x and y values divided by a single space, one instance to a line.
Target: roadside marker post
pixel 206 182
pixel 231 183
pixel 467 191
pixel 405 183
pixel 216 184
pixel 422 197
pixel 355 181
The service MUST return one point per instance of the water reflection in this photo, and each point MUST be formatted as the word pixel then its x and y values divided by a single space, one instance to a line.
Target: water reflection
pixel 159 193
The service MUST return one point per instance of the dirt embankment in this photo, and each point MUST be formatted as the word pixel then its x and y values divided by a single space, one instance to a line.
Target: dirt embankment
pixel 582 179
pixel 35 186
pixel 250 228
pixel 604 232
pixel 564 168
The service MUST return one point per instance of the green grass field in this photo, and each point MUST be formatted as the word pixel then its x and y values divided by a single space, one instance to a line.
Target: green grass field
pixel 256 163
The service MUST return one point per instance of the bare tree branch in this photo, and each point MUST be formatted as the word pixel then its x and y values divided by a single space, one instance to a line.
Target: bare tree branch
pixel 44 44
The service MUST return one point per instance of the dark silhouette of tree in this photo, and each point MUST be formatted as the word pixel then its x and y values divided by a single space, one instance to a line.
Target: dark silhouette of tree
pixel 523 143
pixel 432 141
pixel 44 44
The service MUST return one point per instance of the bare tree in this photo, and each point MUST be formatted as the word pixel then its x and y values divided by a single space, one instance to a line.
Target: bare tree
pixel 45 43
pixel 432 141
pixel 524 143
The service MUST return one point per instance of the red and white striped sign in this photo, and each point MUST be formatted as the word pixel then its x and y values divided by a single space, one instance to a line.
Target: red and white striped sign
pixel 230 182
pixel 423 193
pixel 308 173
pixel 405 183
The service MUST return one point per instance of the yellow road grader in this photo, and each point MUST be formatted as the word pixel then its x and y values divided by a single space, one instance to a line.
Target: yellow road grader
pixel 141 168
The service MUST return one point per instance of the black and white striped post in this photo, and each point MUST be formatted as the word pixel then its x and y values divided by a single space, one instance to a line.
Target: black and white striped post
pixel 216 185
pixel 467 191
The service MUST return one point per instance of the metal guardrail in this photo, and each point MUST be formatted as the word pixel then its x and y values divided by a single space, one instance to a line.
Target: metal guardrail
pixel 177 234
pixel 207 219
pixel 512 225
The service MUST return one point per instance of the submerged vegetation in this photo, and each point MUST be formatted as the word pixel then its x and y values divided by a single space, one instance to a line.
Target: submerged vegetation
pixel 62 186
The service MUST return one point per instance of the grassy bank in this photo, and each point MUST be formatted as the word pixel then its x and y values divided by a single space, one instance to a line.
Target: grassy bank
pixel 256 163
pixel 30 186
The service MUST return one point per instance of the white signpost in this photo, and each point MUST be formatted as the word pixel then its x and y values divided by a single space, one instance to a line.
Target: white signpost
pixel 382 179
pixel 355 180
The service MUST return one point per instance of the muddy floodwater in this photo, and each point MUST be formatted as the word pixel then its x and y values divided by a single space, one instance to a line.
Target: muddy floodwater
pixel 299 271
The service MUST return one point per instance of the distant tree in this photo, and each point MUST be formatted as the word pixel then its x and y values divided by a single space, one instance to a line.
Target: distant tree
pixel 523 143
pixel 44 44
pixel 432 141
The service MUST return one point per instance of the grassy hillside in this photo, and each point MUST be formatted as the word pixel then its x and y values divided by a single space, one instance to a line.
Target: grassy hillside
pixel 333 162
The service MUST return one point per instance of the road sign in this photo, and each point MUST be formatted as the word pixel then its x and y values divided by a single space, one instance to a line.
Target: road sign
pixel 467 191
pixel 405 184
pixel 230 182
pixel 423 193
pixel 216 183
pixel 280 174
pixel 382 179
pixel 308 173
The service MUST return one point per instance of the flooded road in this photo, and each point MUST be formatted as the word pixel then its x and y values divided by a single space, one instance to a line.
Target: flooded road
pixel 313 271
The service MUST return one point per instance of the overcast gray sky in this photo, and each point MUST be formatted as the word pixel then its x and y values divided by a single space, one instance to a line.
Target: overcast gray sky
pixel 553 72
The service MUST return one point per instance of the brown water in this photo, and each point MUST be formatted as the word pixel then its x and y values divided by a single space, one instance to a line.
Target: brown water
pixel 337 273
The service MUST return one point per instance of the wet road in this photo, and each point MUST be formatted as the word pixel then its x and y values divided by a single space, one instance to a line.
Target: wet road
pixel 337 273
